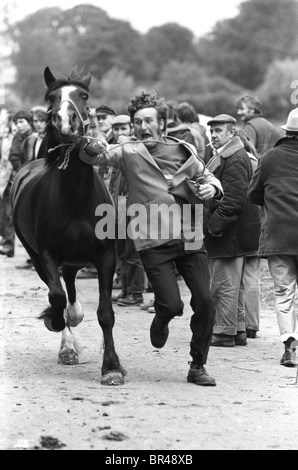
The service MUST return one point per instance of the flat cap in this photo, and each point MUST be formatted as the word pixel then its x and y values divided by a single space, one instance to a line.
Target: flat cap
pixel 105 109
pixel 120 119
pixel 222 119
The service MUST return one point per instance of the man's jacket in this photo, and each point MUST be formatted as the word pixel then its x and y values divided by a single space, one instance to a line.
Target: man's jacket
pixel 232 225
pixel 149 187
pixel 274 186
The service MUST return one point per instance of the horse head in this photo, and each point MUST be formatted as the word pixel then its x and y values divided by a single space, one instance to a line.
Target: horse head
pixel 67 98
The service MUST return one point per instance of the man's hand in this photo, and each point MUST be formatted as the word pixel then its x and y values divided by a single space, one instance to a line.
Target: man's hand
pixel 206 191
pixel 96 147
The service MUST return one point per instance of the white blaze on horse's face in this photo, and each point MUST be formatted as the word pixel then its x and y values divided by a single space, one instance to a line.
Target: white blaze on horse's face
pixel 67 113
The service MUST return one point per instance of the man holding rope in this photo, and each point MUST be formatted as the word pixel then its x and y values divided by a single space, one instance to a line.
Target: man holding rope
pixel 155 166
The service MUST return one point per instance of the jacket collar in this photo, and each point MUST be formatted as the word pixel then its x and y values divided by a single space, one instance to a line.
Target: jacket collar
pixel 233 146
pixel 143 152
pixel 286 139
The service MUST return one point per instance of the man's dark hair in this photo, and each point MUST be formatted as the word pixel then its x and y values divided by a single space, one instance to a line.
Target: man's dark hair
pixel 251 102
pixel 148 99
pixel 187 113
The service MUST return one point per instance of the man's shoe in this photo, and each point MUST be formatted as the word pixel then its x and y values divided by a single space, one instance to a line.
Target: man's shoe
pixel 251 333
pixel 146 305
pixel 151 310
pixel 86 274
pixel 117 297
pixel 131 299
pixel 241 338
pixel 199 376
pixel 289 358
pixel 159 332
pixel 226 341
pixel 7 252
pixel 117 284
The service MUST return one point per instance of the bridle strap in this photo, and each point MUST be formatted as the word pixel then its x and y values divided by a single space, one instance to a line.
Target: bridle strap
pixel 85 122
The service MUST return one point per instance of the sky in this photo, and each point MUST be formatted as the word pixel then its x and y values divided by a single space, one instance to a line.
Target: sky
pixel 197 15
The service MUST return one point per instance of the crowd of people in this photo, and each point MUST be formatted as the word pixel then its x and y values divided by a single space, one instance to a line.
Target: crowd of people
pixel 245 178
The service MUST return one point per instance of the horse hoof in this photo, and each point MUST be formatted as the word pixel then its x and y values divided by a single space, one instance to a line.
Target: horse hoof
pixel 112 378
pixel 68 359
pixel 49 325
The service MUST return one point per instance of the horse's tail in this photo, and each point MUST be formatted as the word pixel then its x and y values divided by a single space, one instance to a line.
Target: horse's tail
pixel 51 321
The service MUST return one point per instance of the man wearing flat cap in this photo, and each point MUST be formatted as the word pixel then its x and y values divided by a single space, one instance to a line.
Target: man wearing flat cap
pixel 231 228
pixel 121 125
pixel 274 187
pixel 105 114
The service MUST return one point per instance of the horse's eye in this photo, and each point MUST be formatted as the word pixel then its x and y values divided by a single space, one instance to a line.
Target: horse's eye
pixel 51 98
pixel 85 97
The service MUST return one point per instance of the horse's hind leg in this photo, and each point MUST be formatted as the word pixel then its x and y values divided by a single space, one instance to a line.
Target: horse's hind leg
pixel 112 372
pixel 69 354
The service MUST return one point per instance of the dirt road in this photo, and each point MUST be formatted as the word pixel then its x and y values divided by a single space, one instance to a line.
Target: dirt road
pixel 45 405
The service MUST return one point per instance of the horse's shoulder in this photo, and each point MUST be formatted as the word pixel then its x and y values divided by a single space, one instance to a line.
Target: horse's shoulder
pixel 25 175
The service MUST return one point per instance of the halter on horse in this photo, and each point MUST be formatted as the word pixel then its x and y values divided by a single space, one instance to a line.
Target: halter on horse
pixel 54 203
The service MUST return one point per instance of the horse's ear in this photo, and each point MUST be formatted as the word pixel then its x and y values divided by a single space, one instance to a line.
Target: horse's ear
pixel 48 77
pixel 87 79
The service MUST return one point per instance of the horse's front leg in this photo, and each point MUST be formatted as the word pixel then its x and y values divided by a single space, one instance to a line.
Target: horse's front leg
pixel 112 371
pixel 73 315
pixel 53 316
pixel 68 354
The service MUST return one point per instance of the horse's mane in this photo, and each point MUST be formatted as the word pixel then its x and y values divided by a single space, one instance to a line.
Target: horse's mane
pixel 50 141
pixel 74 78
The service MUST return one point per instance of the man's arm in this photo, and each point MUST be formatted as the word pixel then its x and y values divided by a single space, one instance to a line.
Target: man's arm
pixel 251 133
pixel 99 152
pixel 209 186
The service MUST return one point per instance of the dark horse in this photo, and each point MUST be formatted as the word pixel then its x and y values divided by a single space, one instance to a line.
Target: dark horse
pixel 54 204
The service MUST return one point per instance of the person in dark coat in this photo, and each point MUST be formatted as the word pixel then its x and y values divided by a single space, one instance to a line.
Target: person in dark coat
pixel 17 158
pixel 274 187
pixel 231 228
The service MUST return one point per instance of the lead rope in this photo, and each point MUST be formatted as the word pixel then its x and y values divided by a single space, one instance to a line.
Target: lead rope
pixel 72 145
pixel 65 162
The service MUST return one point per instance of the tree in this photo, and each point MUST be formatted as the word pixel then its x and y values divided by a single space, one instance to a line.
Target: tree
pixel 167 43
pixel 116 89
pixel 38 44
pixel 210 94
pixel 102 43
pixel 243 47
pixel 83 36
